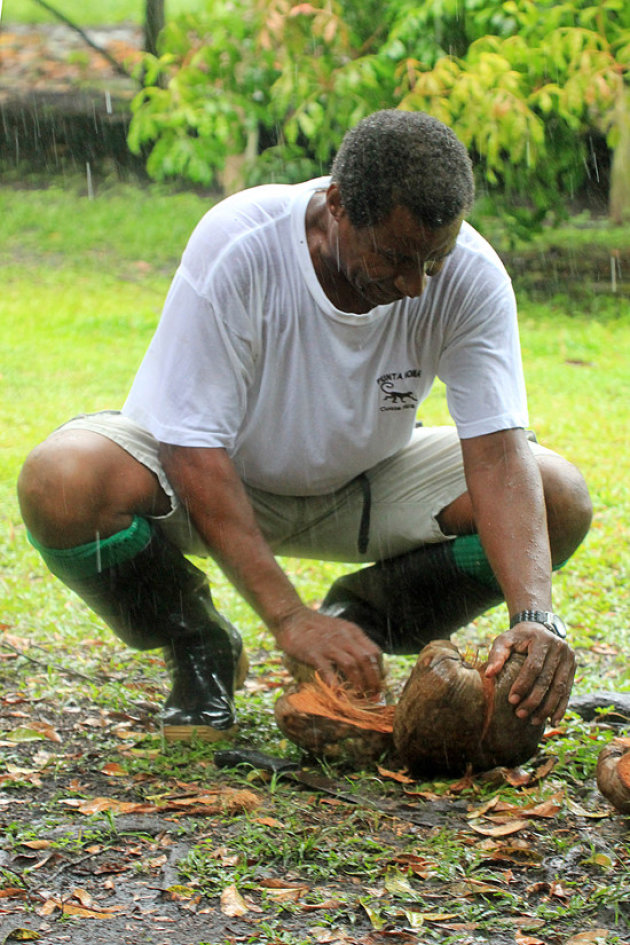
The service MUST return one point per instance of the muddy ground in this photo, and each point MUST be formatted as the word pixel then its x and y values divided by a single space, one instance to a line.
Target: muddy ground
pixel 109 836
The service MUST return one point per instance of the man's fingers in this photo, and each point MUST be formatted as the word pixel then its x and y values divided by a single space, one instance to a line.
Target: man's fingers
pixel 543 691
pixel 498 656
pixel 339 650
pixel 542 688
pixel 557 701
pixel 361 664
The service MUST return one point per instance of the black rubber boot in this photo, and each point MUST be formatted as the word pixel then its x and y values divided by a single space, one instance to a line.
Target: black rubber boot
pixel 160 599
pixel 403 603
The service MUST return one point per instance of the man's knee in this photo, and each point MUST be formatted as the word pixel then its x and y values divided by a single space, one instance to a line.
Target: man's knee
pixel 569 506
pixel 78 483
pixel 56 491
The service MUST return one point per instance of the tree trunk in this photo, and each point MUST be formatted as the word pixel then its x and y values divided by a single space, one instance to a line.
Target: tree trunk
pixel 619 198
pixel 153 23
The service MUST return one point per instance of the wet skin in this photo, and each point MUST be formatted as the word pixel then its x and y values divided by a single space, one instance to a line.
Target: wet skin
pixel 362 267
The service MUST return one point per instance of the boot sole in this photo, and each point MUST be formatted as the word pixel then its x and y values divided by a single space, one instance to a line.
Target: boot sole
pixel 205 733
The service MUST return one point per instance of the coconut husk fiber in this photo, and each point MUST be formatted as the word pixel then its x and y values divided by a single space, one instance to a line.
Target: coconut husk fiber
pixel 335 723
pixel 449 718
pixel 613 773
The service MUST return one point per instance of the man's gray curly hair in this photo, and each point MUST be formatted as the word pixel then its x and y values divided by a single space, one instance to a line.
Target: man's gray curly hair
pixel 394 158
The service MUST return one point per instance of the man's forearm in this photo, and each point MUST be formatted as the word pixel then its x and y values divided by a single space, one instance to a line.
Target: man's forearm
pixel 509 510
pixel 209 487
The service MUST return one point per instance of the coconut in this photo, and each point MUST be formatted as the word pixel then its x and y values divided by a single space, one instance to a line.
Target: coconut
pixel 451 717
pixel 613 773
pixel 337 724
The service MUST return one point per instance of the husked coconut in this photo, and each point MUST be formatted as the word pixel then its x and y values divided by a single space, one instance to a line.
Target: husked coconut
pixel 450 716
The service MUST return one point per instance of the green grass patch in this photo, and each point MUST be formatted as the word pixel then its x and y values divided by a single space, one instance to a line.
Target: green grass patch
pixel 83 284
pixel 82 291
pixel 89 12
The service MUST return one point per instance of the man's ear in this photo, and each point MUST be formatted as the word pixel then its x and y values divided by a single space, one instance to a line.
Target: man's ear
pixel 333 202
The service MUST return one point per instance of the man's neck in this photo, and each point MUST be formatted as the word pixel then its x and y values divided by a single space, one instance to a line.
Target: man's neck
pixel 319 225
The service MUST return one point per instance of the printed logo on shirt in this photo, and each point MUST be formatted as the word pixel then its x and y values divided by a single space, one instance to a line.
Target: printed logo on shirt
pixel 395 396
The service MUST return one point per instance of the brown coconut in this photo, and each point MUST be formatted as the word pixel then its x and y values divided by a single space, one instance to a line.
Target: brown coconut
pixel 450 717
pixel 335 723
pixel 613 773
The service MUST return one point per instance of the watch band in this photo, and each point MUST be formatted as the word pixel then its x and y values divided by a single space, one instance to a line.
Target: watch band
pixel 545 617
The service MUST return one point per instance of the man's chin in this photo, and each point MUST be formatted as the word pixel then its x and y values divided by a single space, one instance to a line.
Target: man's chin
pixel 376 295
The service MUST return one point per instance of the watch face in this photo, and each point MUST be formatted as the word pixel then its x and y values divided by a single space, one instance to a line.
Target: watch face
pixel 556 626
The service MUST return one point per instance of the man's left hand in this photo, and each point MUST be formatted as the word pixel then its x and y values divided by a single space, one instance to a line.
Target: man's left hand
pixel 543 686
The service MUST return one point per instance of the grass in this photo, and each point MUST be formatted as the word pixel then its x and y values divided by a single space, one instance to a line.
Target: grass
pixel 73 338
pixel 89 12
pixel 83 283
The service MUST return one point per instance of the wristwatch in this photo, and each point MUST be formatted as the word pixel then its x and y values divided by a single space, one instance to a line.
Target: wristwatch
pixel 550 621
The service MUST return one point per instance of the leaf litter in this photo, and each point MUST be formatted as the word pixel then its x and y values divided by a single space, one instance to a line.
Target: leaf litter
pixel 103 824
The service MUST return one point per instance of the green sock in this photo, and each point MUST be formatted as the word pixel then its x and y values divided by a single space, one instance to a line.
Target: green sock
pixel 471 558
pixel 96 556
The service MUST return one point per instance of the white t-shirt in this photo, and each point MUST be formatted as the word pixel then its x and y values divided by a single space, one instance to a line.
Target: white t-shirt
pixel 251 355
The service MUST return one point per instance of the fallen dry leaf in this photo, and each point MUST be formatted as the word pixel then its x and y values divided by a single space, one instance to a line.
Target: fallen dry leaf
pixel 516 777
pixel 271 883
pixel 400 776
pixel 12 892
pixel 418 865
pixel 325 904
pixel 232 903
pixel 82 896
pixel 113 770
pixel 226 801
pixel 501 830
pixel 583 812
pixel 53 905
pixel 590 937
pixel 23 935
pixel 287 894
pixel 558 891
pixel 268 822
pixel 522 939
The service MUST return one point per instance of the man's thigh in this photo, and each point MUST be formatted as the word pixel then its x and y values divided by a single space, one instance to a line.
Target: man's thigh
pixel 406 494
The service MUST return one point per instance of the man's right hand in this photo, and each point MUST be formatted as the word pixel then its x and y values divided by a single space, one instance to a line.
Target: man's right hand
pixel 337 649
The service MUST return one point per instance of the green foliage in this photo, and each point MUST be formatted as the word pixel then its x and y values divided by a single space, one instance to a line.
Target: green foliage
pixel 253 90
pixel 206 95
pixel 526 98
pixel 297 76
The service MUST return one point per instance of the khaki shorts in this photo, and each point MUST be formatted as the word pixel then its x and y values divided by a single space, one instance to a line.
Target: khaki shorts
pixel 401 496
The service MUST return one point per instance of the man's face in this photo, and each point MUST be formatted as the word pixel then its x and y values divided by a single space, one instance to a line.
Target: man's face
pixel 391 260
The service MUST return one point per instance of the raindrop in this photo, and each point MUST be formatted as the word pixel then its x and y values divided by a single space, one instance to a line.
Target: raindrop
pixel 90 186
pixel 108 102
pixel 594 159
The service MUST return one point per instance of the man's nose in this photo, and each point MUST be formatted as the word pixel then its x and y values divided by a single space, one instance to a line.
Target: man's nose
pixel 411 282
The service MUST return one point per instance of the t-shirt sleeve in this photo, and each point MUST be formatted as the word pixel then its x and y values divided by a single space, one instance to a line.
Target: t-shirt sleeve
pixel 191 388
pixel 481 362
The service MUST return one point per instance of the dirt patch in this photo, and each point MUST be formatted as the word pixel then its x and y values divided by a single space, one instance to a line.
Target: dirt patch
pixel 108 836
pixel 63 104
